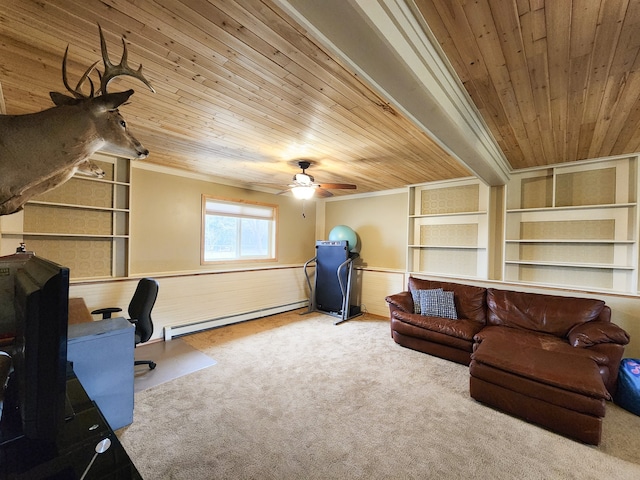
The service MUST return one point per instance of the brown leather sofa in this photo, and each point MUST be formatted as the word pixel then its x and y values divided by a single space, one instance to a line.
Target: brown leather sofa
pixel 548 359
pixel 450 339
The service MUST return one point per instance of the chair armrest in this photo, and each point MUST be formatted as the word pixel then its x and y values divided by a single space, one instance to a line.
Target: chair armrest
pixel 593 333
pixel 403 301
pixel 106 312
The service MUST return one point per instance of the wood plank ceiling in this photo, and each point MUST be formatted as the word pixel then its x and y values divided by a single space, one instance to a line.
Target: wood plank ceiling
pixel 243 91
pixel 555 81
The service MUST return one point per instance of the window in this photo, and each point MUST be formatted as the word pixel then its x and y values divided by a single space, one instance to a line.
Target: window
pixel 237 230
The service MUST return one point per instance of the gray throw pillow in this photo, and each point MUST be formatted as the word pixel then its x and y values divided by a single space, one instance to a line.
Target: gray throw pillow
pixel 415 295
pixel 429 301
pixel 446 305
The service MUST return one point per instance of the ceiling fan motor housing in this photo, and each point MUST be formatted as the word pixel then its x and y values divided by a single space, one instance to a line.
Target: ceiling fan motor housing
pixel 303 178
pixel 304 164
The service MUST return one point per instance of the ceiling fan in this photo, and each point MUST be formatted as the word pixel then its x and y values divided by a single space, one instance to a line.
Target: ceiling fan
pixel 304 187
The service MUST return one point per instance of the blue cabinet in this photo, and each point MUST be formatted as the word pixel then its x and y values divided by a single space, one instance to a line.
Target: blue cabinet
pixel 102 357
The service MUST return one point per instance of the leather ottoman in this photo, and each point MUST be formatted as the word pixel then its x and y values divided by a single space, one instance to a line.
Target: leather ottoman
pixel 559 391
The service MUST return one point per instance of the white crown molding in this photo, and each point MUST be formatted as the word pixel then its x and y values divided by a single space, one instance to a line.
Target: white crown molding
pixel 144 165
pixel 355 196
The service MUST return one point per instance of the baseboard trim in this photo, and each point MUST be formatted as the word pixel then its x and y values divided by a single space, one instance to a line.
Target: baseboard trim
pixel 173 331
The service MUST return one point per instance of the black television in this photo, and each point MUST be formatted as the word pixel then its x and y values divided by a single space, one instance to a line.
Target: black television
pixel 38 381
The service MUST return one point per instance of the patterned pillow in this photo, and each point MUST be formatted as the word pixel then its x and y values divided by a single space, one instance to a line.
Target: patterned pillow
pixel 429 302
pixel 415 294
pixel 446 305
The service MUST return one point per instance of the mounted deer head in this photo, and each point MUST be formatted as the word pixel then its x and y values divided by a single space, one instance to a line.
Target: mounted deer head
pixel 40 151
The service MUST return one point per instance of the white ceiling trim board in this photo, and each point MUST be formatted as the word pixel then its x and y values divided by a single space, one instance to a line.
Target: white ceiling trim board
pixel 385 44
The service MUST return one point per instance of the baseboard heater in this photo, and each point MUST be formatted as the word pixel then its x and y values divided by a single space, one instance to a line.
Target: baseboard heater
pixel 178 330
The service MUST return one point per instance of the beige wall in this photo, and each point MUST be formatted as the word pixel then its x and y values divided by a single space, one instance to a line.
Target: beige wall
pixel 221 297
pixel 165 239
pixel 381 224
pixel 166 223
pixel 165 243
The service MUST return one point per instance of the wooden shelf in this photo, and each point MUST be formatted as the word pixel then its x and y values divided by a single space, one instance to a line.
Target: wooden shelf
pixel 83 207
pixel 567 264
pixel 446 276
pixel 449 247
pixel 453 214
pixel 578 207
pixel 52 234
pixel 577 241
pixel 550 221
pixel 60 224
pixel 101 180
pixel 444 217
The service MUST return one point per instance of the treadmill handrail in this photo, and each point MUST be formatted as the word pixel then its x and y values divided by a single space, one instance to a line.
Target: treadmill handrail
pixel 342 265
pixel 306 264
pixel 312 293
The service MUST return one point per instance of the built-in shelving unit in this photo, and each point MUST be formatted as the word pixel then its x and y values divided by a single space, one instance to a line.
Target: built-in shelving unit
pixel 82 224
pixel 574 225
pixel 448 228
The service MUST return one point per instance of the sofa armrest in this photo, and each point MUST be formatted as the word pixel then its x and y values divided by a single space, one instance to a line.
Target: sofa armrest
pixel 402 301
pixel 592 333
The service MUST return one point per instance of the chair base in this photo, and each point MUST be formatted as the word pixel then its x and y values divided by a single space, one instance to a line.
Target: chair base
pixel 151 363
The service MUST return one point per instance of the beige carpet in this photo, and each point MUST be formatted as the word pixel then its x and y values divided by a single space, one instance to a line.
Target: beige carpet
pixel 296 397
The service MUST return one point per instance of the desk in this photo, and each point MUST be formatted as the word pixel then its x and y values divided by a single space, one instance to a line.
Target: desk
pixel 72 451
pixel 78 312
pixel 102 357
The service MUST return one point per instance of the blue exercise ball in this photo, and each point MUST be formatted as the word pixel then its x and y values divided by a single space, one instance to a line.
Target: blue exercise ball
pixel 342 232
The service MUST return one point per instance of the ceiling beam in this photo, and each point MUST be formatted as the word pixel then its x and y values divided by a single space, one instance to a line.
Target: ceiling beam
pixel 388 43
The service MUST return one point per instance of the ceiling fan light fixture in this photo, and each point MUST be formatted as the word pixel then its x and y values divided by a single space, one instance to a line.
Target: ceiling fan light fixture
pixel 303 179
pixel 302 192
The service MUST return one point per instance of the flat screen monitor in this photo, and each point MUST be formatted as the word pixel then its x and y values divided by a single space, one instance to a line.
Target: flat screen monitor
pixel 38 382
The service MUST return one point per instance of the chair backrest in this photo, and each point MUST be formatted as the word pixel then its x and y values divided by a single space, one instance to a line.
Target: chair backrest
pixel 141 305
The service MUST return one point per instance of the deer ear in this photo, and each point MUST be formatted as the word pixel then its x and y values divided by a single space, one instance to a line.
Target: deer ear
pixel 60 99
pixel 112 101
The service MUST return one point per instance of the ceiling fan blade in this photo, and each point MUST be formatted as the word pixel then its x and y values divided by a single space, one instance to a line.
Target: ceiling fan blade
pixel 272 185
pixel 343 186
pixel 320 192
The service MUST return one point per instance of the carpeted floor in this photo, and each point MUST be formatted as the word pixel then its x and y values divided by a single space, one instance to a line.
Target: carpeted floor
pixel 296 397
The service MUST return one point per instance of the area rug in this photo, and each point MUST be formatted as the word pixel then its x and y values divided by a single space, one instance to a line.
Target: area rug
pixel 296 397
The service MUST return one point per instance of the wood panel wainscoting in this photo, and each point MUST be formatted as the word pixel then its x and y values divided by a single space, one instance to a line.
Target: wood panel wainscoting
pixel 242 295
pixel 227 297
pixel 191 298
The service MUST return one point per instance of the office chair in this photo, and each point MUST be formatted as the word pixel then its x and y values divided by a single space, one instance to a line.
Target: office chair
pixel 139 313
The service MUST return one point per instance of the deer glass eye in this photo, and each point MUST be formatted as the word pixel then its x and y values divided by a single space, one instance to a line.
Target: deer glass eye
pixel 123 124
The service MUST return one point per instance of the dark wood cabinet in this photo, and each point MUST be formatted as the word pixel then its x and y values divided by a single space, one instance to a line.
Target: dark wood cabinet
pixel 73 450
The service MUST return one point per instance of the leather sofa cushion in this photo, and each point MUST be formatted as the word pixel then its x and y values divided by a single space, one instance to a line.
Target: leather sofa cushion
pixel 537 340
pixel 547 393
pixel 570 372
pixel 593 333
pixel 460 328
pixel 432 337
pixel 402 301
pixel 470 301
pixel 550 314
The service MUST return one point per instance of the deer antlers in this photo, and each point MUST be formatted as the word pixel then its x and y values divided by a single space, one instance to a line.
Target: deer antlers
pixel 111 71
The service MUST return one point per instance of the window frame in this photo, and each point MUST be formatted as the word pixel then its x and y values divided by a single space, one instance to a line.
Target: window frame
pixel 273 237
